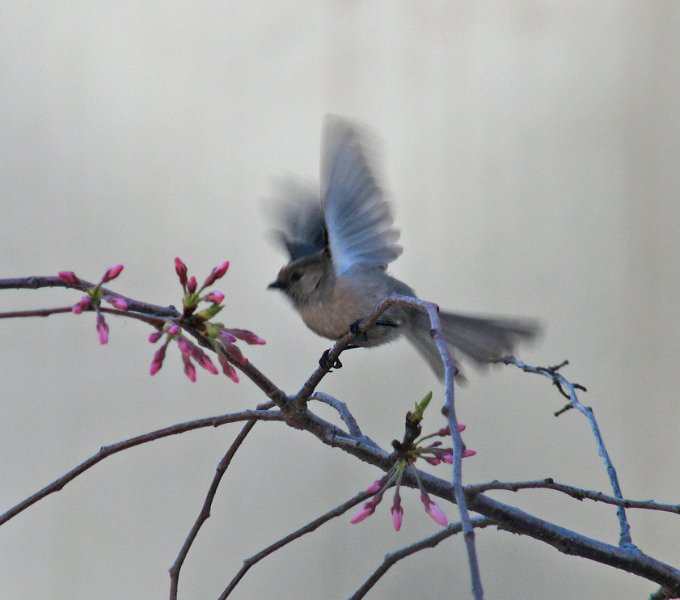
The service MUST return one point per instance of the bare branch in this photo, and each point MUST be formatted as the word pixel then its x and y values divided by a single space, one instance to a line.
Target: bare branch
pixel 341 407
pixel 36 282
pixel 311 526
pixel 204 515
pixel 106 451
pixel 428 542
pixel 574 492
pixel 625 539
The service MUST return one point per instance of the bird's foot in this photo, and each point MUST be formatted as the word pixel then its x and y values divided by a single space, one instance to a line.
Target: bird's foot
pixel 326 363
pixel 362 336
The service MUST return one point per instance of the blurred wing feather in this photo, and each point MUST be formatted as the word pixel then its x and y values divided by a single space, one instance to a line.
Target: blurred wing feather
pixel 358 219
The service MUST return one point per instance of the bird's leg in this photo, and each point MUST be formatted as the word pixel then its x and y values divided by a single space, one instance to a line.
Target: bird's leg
pixel 326 363
pixel 362 336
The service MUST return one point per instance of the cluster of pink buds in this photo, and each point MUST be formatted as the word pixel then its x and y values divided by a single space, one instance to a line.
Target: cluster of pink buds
pixel 407 453
pixel 220 337
pixel 190 352
pixel 94 296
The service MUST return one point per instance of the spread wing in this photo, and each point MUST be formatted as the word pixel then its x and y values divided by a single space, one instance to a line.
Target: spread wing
pixel 357 217
pixel 302 230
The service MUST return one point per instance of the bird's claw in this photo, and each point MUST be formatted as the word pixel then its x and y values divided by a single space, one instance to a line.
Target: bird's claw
pixel 326 363
pixel 354 328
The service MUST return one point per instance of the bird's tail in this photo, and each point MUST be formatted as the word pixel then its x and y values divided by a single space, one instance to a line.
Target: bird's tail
pixel 481 339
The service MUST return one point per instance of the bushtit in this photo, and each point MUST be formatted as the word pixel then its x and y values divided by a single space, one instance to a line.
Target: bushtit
pixel 339 248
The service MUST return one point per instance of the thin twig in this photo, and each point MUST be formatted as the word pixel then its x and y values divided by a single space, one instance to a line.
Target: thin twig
pixel 450 371
pixel 625 539
pixel 37 281
pixel 106 451
pixel 428 542
pixel 204 514
pixel 574 492
pixel 308 528
pixel 47 312
pixel 343 411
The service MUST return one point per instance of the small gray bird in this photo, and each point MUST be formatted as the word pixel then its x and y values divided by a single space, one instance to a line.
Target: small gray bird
pixel 339 248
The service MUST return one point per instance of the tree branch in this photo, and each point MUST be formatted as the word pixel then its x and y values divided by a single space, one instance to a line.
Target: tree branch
pixel 574 492
pixel 429 542
pixel 298 533
pixel 204 514
pixel 563 383
pixel 106 451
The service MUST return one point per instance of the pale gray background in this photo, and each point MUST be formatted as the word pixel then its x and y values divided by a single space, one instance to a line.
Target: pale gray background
pixel 531 153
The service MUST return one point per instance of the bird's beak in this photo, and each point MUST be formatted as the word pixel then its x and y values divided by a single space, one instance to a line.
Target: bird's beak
pixel 275 285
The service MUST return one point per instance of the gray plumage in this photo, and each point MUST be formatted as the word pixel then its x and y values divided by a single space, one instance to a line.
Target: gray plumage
pixel 339 249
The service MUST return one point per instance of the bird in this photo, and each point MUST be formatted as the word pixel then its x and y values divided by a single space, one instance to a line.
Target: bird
pixel 340 240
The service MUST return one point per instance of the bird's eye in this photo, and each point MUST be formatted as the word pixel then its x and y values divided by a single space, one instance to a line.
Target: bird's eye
pixel 296 276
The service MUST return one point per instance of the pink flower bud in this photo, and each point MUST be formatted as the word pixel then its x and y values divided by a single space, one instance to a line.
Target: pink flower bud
pixel 189 369
pixel 446 431
pixel 247 336
pixel 226 336
pixel 467 452
pixel 215 297
pixel 203 360
pixel 181 270
pixel 69 277
pixel 447 458
pixel 433 460
pixel 235 353
pixel 227 369
pixel 155 336
pixel 217 273
pixel 376 486
pixel 365 511
pixel 173 329
pixel 79 307
pixel 157 362
pixel 102 329
pixel 397 512
pixel 184 346
pixel 117 301
pixel 432 509
pixel 112 273
pixel 192 284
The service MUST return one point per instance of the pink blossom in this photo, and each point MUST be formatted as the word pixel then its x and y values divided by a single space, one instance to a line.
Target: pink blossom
pixel 155 336
pixel 173 329
pixel 446 431
pixel 82 305
pixel 112 273
pixel 102 329
pixel 215 297
pixel 69 277
pixel 365 511
pixel 377 485
pixel 157 362
pixel 203 359
pixel 397 512
pixel 181 270
pixel 432 509
pixel 189 369
pixel 227 369
pixel 192 284
pixel 234 352
pixel 467 452
pixel 226 336
pixel 184 346
pixel 247 336
pixel 117 301
pixel 217 273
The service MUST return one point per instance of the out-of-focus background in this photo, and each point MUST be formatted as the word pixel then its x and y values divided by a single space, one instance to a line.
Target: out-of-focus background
pixel 531 153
